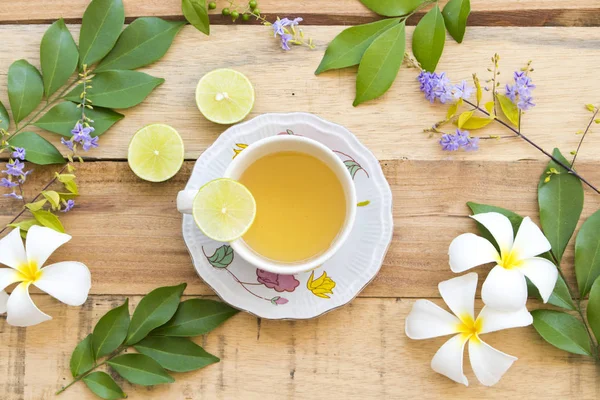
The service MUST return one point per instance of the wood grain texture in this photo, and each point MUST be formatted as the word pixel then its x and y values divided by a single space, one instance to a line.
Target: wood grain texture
pixel 322 12
pixel 392 126
pixel 121 221
pixel 357 352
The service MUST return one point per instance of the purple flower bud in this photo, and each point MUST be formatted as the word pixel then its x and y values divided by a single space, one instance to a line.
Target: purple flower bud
pixel 68 206
pixel 7 184
pixel 278 300
pixel 14 196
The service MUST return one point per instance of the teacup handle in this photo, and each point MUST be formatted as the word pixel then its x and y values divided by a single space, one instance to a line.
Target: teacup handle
pixel 185 201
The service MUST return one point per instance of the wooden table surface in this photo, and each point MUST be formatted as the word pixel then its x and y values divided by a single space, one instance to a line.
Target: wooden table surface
pixel 129 233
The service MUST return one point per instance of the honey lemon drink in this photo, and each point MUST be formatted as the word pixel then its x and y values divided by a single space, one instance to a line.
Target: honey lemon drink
pixel 300 206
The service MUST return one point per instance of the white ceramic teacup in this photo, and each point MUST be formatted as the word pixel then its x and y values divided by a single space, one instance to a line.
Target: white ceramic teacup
pixel 276 144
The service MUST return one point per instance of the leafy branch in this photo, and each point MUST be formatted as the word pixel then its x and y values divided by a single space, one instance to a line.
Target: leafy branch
pixel 560 202
pixel 159 332
pixel 112 54
pixel 378 47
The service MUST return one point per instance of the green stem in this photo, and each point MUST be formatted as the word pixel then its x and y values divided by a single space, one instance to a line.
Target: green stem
pixel 89 371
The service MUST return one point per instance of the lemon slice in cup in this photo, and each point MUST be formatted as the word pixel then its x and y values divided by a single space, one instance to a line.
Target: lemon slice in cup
pixel 224 96
pixel 224 210
pixel 156 153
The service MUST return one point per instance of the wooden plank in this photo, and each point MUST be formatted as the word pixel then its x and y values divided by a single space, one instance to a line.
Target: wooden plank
pixel 325 357
pixel 120 221
pixel 322 12
pixel 391 126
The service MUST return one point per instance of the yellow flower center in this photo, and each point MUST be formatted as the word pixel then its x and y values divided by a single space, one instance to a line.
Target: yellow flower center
pixel 470 328
pixel 509 260
pixel 30 272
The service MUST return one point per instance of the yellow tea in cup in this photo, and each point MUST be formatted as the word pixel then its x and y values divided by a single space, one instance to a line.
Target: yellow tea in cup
pixel 300 206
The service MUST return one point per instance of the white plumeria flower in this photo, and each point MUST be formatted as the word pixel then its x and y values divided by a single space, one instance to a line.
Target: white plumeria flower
pixel 67 281
pixel 426 320
pixel 505 288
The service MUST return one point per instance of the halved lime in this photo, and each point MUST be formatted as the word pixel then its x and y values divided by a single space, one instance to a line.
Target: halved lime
pixel 224 209
pixel 156 153
pixel 224 96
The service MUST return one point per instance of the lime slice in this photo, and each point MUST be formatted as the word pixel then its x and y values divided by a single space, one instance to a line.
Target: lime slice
pixel 224 210
pixel 224 96
pixel 156 153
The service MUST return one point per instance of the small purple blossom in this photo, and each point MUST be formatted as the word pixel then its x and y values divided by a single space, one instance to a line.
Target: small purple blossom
pixel 511 92
pixel 14 168
pixel 520 92
pixel 67 143
pixel 279 27
pixel 462 91
pixel 68 206
pixel 449 142
pixel 19 153
pixel 7 184
pixel 285 39
pixel 459 139
pixel 81 133
pixel 91 143
pixel 525 103
pixel 435 86
pixel 13 195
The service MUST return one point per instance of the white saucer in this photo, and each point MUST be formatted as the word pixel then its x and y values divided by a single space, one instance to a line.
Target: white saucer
pixel 309 294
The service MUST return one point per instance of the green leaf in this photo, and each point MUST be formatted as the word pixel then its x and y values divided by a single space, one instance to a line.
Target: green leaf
pixel 196 13
pixel 38 150
pixel 222 257
pixel 111 330
pixel 347 48
pixel 429 38
pixel 363 203
pixel 52 197
pixel 175 353
pixel 143 42
pixel 464 118
pixel 156 308
pixel 140 369
pixel 104 386
pixel 476 123
pixel 24 225
pixel 560 201
pixel 58 56
pixel 380 64
pixel 593 309
pixel 82 359
pixel 25 89
pixel 118 89
pixel 62 118
pixel 49 220
pixel 560 297
pixel 101 25
pixel 392 8
pixel 456 13
pixel 509 109
pixel 4 118
pixel 37 205
pixel 196 317
pixel 562 330
pixel 587 253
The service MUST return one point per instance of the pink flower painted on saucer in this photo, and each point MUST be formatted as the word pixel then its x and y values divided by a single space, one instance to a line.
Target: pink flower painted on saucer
pixel 281 283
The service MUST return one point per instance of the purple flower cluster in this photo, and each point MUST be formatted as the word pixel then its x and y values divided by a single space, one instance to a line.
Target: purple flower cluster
pixel 520 92
pixel 458 140
pixel 284 35
pixel 14 170
pixel 81 135
pixel 438 86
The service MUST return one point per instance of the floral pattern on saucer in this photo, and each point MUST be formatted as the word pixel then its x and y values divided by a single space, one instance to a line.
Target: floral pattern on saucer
pixel 313 293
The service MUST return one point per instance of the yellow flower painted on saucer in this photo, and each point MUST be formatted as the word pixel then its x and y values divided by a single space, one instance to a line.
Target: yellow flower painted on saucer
pixel 322 286
pixel 241 146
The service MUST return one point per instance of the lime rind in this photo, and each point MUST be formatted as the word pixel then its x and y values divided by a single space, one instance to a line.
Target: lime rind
pixel 224 210
pixel 231 109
